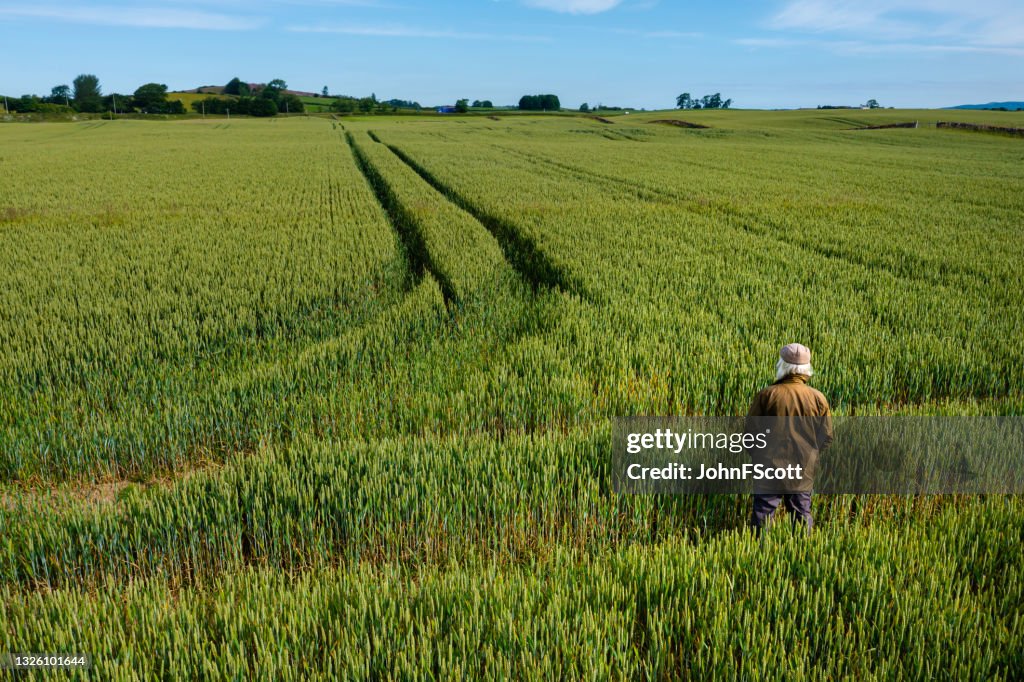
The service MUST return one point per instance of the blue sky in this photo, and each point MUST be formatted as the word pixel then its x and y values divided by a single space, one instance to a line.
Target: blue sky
pixel 637 53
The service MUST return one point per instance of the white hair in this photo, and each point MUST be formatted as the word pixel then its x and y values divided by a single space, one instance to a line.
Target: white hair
pixel 783 369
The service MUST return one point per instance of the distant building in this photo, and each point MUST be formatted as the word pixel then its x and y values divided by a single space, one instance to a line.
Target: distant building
pixel 446 110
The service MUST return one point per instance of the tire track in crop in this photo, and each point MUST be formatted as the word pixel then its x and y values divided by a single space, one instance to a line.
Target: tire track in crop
pixel 521 250
pixel 405 226
pixel 915 271
pixel 640 191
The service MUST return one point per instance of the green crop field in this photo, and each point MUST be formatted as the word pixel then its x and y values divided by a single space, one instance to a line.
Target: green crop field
pixel 310 397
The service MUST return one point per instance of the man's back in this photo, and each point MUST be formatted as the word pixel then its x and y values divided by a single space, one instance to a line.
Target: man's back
pixel 790 397
pixel 798 423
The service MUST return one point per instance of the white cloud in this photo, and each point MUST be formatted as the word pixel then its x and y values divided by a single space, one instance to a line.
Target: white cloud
pixel 853 47
pixel 409 32
pixel 139 17
pixel 856 47
pixel 975 22
pixel 575 6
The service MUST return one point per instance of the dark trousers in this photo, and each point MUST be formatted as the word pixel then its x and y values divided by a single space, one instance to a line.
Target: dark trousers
pixel 798 505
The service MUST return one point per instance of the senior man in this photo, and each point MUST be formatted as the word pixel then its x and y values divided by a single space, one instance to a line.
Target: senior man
pixel 801 423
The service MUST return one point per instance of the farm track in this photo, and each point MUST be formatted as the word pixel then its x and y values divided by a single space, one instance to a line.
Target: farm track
pixel 744 221
pixel 520 249
pixel 405 226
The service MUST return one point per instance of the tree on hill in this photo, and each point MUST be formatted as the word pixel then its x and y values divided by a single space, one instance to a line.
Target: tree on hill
pixel 60 94
pixel 235 86
pixel 87 92
pixel 275 87
pixel 150 98
pixel 539 103
pixel 715 101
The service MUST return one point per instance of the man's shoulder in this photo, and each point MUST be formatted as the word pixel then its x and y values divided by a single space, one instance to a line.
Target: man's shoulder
pixel 819 397
pixel 790 388
pixel 766 392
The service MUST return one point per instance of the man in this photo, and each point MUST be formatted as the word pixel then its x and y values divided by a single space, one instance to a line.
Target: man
pixel 800 423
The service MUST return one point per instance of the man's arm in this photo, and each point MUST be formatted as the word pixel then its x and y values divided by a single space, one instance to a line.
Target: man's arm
pixel 825 433
pixel 756 407
pixel 756 410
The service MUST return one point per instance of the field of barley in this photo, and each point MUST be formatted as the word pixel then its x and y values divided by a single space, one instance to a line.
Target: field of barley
pixel 314 397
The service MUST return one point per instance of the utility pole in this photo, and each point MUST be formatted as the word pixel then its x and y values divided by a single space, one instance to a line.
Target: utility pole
pixel 114 98
pixel 7 109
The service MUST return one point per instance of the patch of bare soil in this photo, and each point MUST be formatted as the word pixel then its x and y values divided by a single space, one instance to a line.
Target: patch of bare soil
pixel 10 214
pixel 105 492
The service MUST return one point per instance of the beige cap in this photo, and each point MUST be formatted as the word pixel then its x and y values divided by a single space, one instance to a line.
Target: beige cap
pixel 795 354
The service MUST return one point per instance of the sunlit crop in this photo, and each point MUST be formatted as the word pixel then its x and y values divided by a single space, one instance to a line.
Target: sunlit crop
pixel 317 398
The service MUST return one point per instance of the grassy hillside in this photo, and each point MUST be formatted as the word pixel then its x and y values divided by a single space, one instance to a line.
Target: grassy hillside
pixel 187 98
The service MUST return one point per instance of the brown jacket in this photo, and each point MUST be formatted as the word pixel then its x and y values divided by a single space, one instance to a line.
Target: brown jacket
pixel 800 422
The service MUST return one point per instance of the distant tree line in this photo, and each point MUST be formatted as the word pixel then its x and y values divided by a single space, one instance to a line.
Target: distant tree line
pixel 349 105
pixel 346 104
pixel 261 100
pixel 604 107
pixel 715 101
pixel 403 104
pixel 870 104
pixel 462 106
pixel 539 103
pixel 84 95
